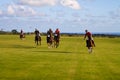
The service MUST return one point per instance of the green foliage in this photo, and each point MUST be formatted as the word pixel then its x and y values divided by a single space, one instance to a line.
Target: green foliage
pixel 23 60
pixel 14 31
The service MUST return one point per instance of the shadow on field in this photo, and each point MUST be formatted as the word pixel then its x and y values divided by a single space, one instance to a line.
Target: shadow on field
pixel 52 51
pixel 16 46
pixel 22 46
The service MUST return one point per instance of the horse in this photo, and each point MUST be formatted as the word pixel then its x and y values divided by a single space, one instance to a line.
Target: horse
pixel 22 36
pixel 56 41
pixel 50 41
pixel 38 40
pixel 90 45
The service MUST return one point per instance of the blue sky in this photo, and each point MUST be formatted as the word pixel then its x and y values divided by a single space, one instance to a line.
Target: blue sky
pixel 68 15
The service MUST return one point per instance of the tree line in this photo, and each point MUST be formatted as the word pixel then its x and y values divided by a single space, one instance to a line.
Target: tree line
pixel 15 32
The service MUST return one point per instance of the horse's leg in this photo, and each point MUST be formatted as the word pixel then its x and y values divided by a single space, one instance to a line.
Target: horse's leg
pixel 21 37
pixel 40 42
pixel 48 43
pixel 35 39
pixel 90 49
pixel 37 42
pixel 57 44
pixel 54 43
pixel 51 44
pixel 93 43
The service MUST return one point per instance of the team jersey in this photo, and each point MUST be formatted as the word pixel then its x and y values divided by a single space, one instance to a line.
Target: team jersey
pixel 57 33
pixel 88 35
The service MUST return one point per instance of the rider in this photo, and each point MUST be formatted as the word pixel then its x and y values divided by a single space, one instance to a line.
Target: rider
pixel 37 35
pixel 89 41
pixel 36 32
pixel 57 36
pixel 21 34
pixel 49 37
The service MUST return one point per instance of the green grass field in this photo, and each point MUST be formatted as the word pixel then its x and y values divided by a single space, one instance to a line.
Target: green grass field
pixel 23 60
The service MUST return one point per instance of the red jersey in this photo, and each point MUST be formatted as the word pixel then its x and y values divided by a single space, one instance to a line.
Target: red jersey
pixel 88 35
pixel 57 33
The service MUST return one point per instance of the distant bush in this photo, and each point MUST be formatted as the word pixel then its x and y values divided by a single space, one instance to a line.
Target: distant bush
pixel 14 31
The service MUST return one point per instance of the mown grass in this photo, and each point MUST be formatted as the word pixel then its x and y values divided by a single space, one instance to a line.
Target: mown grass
pixel 23 60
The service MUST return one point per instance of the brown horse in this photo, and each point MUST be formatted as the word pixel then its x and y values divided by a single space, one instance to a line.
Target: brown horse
pixel 38 40
pixel 22 36
pixel 56 38
pixel 50 42
pixel 50 38
pixel 56 41
pixel 90 44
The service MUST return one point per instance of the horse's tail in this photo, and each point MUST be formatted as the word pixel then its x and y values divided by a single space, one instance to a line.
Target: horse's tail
pixel 92 43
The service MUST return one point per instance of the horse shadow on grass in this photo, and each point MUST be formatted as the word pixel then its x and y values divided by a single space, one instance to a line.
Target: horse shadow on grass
pixel 37 51
pixel 45 51
pixel 22 46
pixel 16 46
pixel 58 52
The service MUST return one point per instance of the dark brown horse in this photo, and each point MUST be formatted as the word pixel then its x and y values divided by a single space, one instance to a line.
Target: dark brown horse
pixel 56 38
pixel 90 44
pixel 50 41
pixel 56 41
pixel 22 36
pixel 37 37
pixel 50 38
pixel 38 40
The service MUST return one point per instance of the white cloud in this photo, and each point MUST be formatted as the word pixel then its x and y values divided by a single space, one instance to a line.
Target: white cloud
pixel 42 14
pixel 70 3
pixel 20 10
pixel 89 0
pixel 10 10
pixel 39 2
pixel 67 3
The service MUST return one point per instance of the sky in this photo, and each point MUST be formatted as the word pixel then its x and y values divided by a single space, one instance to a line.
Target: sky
pixel 70 16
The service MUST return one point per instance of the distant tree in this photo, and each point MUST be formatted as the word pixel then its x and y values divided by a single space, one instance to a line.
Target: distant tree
pixel 14 31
